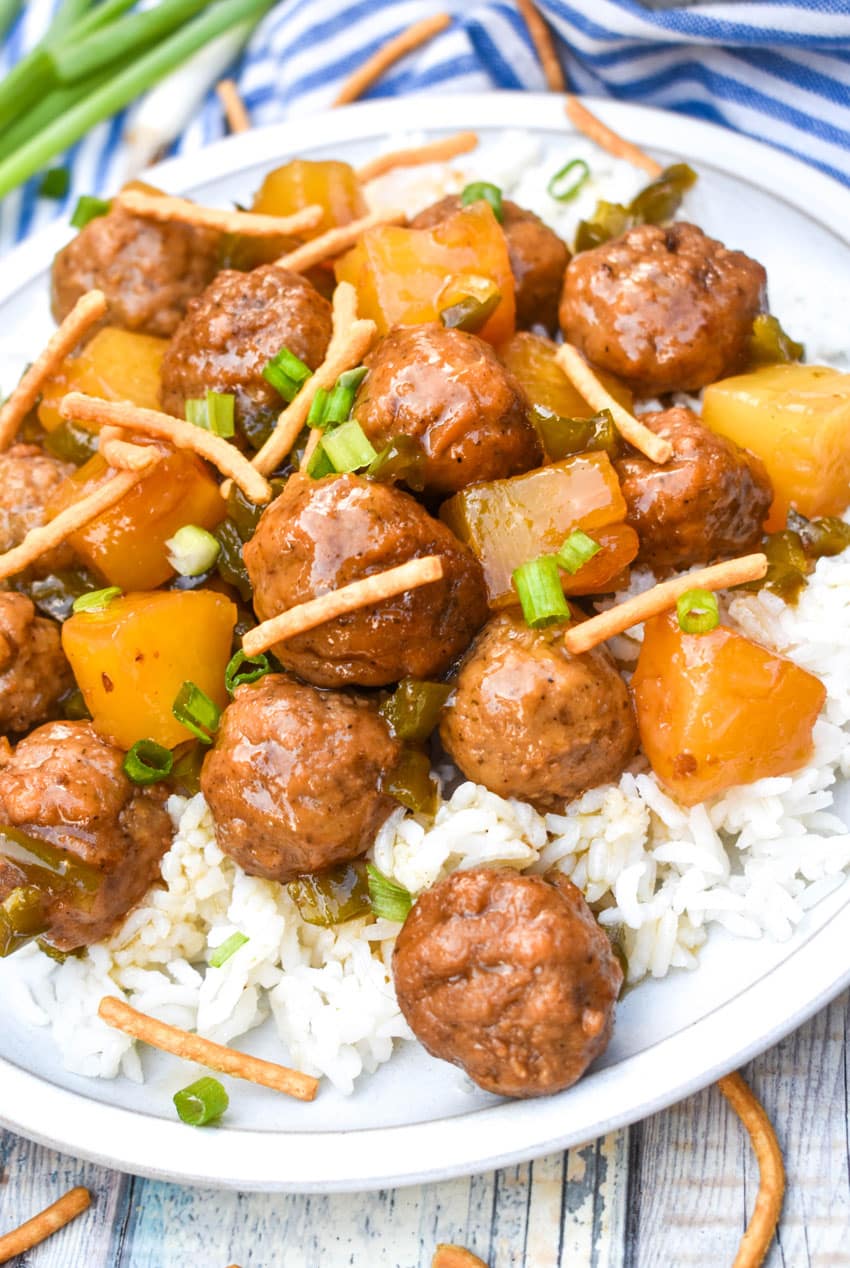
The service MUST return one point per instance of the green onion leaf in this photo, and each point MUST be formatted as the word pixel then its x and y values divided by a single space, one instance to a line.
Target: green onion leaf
pixel 55 183
pixel 192 551
pixel 389 900
pixel 96 600
pixel 88 208
pixel 569 181
pixel 348 447
pixel 697 611
pixel 214 412
pixel 202 1102
pixel 316 417
pixel 576 551
pixel 193 709
pixel 286 373
pixel 319 464
pixel 483 191
pixel 538 584
pixel 148 762
pixel 228 948
pixel 242 669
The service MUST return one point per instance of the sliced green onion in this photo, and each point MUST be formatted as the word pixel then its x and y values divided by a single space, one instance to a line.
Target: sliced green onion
pixel 214 412
pixel 538 584
pixel 192 551
pixel 576 551
pixel 148 762
pixel 96 600
pixel 228 948
pixel 348 447
pixel 88 208
pixel 568 182
pixel 242 669
pixel 55 183
pixel 697 611
pixel 319 464
pixel 316 417
pixel 286 373
pixel 202 1102
pixel 483 191
pixel 341 399
pixel 193 709
pixel 389 900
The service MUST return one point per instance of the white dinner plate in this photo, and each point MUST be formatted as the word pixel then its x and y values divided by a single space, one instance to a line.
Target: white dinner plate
pixel 417 1119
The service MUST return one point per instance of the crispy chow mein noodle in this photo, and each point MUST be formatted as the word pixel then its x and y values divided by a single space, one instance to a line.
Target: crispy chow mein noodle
pixel 249 223
pixel 607 139
pixel 393 51
pixel 768 1205
pixel 44 1225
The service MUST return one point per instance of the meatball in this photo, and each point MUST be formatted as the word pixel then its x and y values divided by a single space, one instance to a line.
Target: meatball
pixel 449 391
pixel 64 785
pixel 28 480
pixel 34 674
pixel 538 258
pixel 320 535
pixel 664 309
pixel 147 271
pixel 509 977
pixel 294 780
pixel 528 719
pixel 711 499
pixel 230 332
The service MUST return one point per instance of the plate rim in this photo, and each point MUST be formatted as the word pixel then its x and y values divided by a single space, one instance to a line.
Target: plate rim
pixel 507 1132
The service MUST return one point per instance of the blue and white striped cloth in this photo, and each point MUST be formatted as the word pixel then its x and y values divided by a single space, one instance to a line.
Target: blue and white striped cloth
pixel 779 71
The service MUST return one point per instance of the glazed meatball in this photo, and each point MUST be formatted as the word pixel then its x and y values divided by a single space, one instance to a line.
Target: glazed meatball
pixel 64 785
pixel 664 309
pixel 294 779
pixel 528 719
pixel 509 977
pixel 34 674
pixel 230 332
pixel 147 271
pixel 449 391
pixel 28 480
pixel 538 259
pixel 711 499
pixel 323 534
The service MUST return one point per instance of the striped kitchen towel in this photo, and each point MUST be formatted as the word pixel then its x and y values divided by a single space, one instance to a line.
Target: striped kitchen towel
pixel 779 71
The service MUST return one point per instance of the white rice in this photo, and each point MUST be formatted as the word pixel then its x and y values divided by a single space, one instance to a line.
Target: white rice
pixel 752 860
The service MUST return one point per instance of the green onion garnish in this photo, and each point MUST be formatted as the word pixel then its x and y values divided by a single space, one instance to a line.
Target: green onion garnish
pixel 316 417
pixel 148 762
pixel 389 900
pixel 96 600
pixel 228 948
pixel 483 191
pixel 192 551
pixel 538 584
pixel 348 447
pixel 202 1102
pixel 286 373
pixel 88 208
pixel 55 183
pixel 568 182
pixel 697 611
pixel 214 412
pixel 193 709
pixel 341 399
pixel 242 669
pixel 319 464
pixel 576 551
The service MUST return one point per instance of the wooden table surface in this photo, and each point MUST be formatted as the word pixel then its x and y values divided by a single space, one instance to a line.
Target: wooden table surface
pixel 672 1192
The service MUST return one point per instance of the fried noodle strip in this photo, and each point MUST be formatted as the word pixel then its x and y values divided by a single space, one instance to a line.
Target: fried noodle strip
pixel 251 224
pixel 335 241
pixel 215 1056
pixel 448 1256
pixel 238 119
pixel 732 572
pixel 358 594
pixel 45 1224
pixel 122 455
pixel 87 311
pixel 350 341
pixel 541 37
pixel 587 385
pixel 393 51
pixel 433 152
pixel 762 1226
pixel 607 139
pixel 182 435
pixel 39 541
